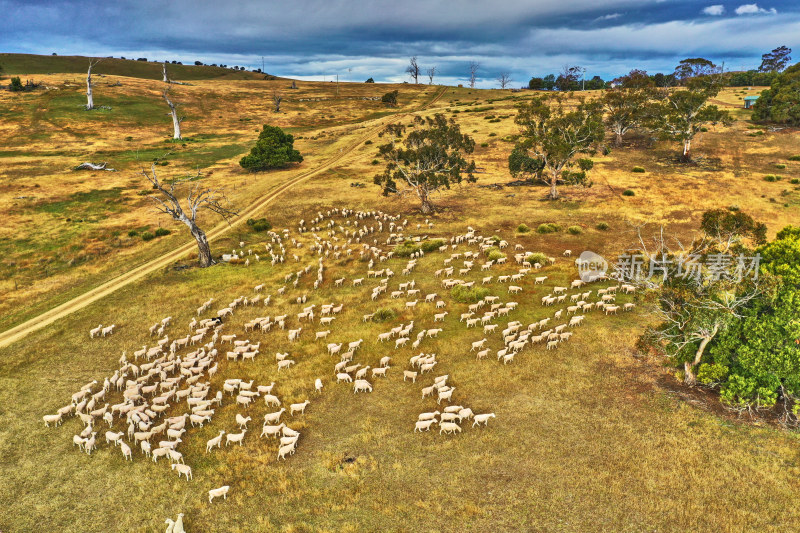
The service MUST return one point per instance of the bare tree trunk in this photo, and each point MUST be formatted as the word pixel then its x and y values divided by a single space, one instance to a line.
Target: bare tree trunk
pixel 427 205
pixel 553 183
pixel 687 144
pixel 176 122
pixel 688 367
pixel 203 248
pixel 164 73
pixel 89 99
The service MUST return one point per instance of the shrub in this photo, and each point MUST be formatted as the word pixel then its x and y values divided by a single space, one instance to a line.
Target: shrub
pixel 794 181
pixel 368 142
pixel 756 133
pixel 638 170
pixel 484 145
pixel 606 150
pixel 390 98
pixel 771 178
pixel 628 192
pixel 160 232
pixel 16 84
pixel 523 228
pixel 133 233
pixel 602 226
pixel 273 149
pixel 466 295
pixel 494 254
pixel 536 257
pixel 794 158
pixel 431 245
pixel 548 227
pixel 376 162
pixel 733 208
pixel 493 134
pixel 780 166
pixel 261 224
pixel 147 236
pixel 383 314
pixel 575 230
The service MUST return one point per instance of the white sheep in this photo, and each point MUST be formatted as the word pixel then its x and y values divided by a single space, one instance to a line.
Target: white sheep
pixel 362 385
pixel 54 419
pixel 271 431
pixel 216 493
pixel 449 428
pixel 424 425
pixel 482 419
pixel 126 451
pixel 235 437
pixel 298 407
pixel 242 421
pixel 216 441
pixel 186 470
pixel 283 451
pixel 318 385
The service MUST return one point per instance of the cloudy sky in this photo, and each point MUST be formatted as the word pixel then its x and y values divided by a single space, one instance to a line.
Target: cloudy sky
pixel 312 39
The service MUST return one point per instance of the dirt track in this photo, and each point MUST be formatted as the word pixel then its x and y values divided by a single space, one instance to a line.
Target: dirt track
pixel 79 302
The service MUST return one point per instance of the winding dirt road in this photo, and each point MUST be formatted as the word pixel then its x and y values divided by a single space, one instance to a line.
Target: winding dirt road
pixel 14 334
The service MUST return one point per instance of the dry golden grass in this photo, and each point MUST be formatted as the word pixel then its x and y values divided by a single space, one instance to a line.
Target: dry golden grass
pixel 587 438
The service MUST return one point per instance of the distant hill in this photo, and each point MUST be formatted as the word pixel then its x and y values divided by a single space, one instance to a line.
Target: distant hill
pixel 14 64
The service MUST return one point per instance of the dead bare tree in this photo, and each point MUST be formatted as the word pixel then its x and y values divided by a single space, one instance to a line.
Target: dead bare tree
pixel 414 69
pixel 431 74
pixel 164 76
pixel 89 85
pixel 276 101
pixel 173 112
pixel 473 73
pixel 199 198
pixel 504 79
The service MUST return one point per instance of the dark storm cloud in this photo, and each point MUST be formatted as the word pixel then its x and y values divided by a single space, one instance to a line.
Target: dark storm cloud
pixel 311 38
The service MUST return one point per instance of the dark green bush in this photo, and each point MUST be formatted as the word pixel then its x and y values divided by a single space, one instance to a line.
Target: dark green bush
pixel 523 228
pixel 431 245
pixel 602 226
pixel 16 84
pixel 273 149
pixel 575 230
pixel 261 224
pixel 548 227
pixel 638 170
pixel 467 295
pixel 794 158
pixel 133 233
pixel 771 178
pixel 484 145
pixel 376 162
pixel 390 98
pixel 536 257
pixel 628 192
pixel 147 236
pixel 368 141
pixel 794 181
pixel 780 166
pixel 383 314
pixel 493 254
pixel 160 232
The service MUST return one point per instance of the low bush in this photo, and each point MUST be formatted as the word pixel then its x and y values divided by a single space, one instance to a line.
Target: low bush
pixel 484 145
pixel 548 227
pixel 383 314
pixel 771 178
pixel 160 232
pixel 147 236
pixel 494 254
pixel 794 181
pixel 602 226
pixel 794 158
pixel 536 257
pixel 431 245
pixel 628 192
pixel 133 233
pixel 368 141
pixel 523 228
pixel 261 224
pixel 780 166
pixel 575 230
pixel 467 295
pixel 638 170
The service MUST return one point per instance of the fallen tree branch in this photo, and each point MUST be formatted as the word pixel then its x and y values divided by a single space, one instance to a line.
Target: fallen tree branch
pixel 94 166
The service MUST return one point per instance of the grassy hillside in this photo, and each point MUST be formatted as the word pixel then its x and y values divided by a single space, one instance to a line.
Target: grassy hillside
pixel 29 64
pixel 588 437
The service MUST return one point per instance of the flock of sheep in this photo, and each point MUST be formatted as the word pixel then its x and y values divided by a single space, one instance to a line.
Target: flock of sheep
pixel 169 386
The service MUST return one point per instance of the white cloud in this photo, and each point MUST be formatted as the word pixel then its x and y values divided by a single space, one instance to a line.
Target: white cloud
pixel 610 16
pixel 715 10
pixel 753 9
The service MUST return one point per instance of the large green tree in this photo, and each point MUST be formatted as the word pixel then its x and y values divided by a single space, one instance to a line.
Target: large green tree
pixel 781 102
pixel 273 149
pixel 626 104
pixel 556 135
pixel 429 158
pixel 776 60
pixel 681 114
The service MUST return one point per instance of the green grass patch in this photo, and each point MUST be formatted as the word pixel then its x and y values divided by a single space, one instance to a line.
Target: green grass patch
pixel 548 227
pixel 468 295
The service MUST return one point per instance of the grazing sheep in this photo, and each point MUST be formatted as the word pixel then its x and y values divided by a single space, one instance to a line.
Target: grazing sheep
pixel 445 395
pixel 182 469
pixel 361 385
pixel 114 437
pixel 235 437
pixel 380 371
pixel 410 375
pixel 216 493
pixel 298 407
pixel 242 421
pixel 482 419
pixel 283 451
pixel 55 419
pixel 271 430
pixel 126 451
pixel 318 385
pixel 216 441
pixel 424 425
pixel 449 428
